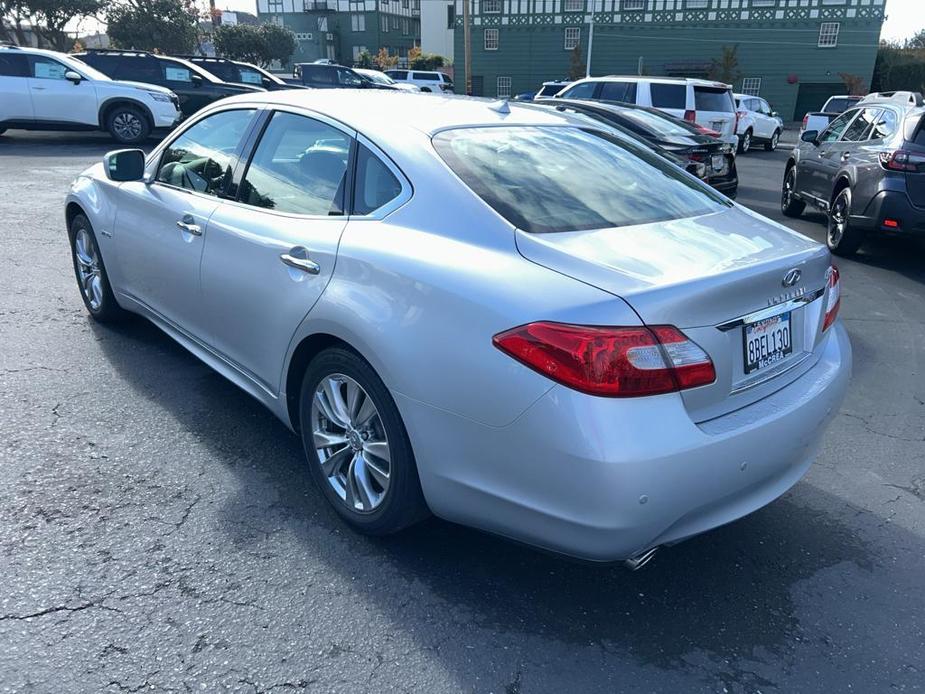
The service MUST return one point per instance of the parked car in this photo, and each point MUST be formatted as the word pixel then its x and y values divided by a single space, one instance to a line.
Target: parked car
pixel 907 97
pixel 756 123
pixel 194 86
pixel 239 72
pixel 832 108
pixel 709 159
pixel 427 80
pixel 381 78
pixel 46 90
pixel 326 76
pixel 437 341
pixel 548 90
pixel 707 103
pixel 866 171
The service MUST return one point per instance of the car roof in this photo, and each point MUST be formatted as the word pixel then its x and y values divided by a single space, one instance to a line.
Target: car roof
pixel 379 114
pixel 659 80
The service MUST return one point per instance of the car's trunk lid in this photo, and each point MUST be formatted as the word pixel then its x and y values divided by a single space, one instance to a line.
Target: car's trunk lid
pixel 701 275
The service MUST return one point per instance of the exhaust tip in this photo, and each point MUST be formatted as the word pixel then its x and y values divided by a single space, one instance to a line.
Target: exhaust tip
pixel 640 560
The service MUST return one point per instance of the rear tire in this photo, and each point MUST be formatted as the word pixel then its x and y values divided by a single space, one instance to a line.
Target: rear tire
pixel 367 470
pixel 745 142
pixel 790 205
pixel 841 238
pixel 771 144
pixel 90 272
pixel 127 125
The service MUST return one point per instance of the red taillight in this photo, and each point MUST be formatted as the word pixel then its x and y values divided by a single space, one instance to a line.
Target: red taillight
pixel 611 362
pixel 805 121
pixel 902 160
pixel 891 223
pixel 832 298
pixel 739 116
pixel 690 116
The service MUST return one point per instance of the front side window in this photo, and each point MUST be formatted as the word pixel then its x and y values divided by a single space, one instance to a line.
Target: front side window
pixel 348 78
pixel 203 157
pixel 585 90
pixel 668 95
pixel 549 179
pixel 375 184
pixel 619 91
pixel 249 76
pixel 299 166
pixel 46 68
pixel 837 126
pixel 175 72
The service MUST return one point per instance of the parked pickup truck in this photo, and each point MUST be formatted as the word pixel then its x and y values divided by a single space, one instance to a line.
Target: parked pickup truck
pixel 819 120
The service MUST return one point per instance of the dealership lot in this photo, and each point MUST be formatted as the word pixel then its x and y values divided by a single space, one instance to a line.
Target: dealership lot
pixel 159 532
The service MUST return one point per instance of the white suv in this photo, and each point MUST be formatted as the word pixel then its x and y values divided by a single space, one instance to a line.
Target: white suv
pixel 704 102
pixel 45 90
pixel 427 80
pixel 756 123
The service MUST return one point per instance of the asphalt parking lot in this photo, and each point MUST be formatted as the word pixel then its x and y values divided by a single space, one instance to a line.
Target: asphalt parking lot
pixel 158 531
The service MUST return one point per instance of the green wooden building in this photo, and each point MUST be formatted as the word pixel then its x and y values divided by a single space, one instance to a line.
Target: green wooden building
pixel 342 29
pixel 790 52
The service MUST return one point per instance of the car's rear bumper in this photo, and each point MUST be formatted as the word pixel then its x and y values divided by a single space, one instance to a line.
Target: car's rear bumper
pixel 891 205
pixel 604 479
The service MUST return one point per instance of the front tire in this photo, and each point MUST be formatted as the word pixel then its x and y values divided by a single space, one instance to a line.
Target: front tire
pixel 356 445
pixel 90 271
pixel 771 144
pixel 790 205
pixel 128 125
pixel 745 142
pixel 841 238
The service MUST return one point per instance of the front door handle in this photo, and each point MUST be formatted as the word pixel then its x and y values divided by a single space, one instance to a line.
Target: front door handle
pixel 305 264
pixel 845 156
pixel 188 224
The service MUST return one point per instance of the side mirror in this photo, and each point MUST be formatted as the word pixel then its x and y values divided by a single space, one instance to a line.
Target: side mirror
pixel 774 114
pixel 124 165
pixel 73 76
pixel 196 80
pixel 810 136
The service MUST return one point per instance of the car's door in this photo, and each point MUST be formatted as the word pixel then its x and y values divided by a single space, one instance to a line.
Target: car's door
pixel 270 253
pixel 15 100
pixel 768 122
pixel 162 222
pixel 844 152
pixel 190 87
pixel 55 99
pixel 812 170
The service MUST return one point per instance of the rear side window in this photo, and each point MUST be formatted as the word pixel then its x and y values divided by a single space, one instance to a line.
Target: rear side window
pixel 138 70
pixel 203 157
pixel 619 91
pixel 713 99
pixel 549 179
pixel 669 95
pixel 585 90
pixel 299 166
pixel 919 134
pixel 885 125
pixel 224 71
pixel 319 75
pixel 860 127
pixel 375 184
pixel 428 76
pixel 397 74
pixel 13 65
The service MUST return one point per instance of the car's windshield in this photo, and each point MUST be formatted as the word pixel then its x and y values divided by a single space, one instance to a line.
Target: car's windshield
pixel 375 76
pixel 549 179
pixel 81 66
pixel 551 89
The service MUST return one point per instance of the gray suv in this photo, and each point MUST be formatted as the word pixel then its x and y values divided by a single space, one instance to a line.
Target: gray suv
pixel 866 171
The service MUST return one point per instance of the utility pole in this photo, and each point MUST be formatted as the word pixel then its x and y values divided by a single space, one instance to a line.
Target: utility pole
pixel 467 47
pixel 590 42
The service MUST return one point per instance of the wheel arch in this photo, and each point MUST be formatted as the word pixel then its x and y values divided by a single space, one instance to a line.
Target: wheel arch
pixel 841 182
pixel 107 106
pixel 71 210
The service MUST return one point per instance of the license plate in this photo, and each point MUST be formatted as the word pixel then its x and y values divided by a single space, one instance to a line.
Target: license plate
pixel 718 162
pixel 767 342
pixel 717 125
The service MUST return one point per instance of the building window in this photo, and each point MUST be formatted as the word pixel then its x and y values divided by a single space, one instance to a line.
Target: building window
pixel 763 3
pixel 383 23
pixel 504 87
pixel 572 37
pixel 491 39
pixel 276 19
pixel 404 4
pixel 634 4
pixel 275 6
pixel 491 6
pixel 405 27
pixel 356 52
pixel 751 86
pixel 698 4
pixel 828 34
pixel 574 6
pixel 450 16
pixel 384 3
pixel 395 24
pixel 358 22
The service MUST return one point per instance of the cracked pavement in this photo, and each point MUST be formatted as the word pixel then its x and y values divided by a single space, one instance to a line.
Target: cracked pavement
pixel 159 533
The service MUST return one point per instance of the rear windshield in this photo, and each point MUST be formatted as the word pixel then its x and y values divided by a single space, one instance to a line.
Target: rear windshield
pixel 713 99
pixel 551 89
pixel 548 179
pixel 839 105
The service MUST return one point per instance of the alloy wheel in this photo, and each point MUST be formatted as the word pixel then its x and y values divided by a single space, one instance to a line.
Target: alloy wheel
pixel 127 125
pixel 774 139
pixel 787 193
pixel 88 268
pixel 350 440
pixel 746 142
pixel 838 218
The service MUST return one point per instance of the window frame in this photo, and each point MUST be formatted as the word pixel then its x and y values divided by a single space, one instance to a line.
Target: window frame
pixel 570 5
pixel 491 3
pixel 751 86
pixel 828 35
pixel 491 31
pixel 632 5
pixel 565 38
pixel 498 86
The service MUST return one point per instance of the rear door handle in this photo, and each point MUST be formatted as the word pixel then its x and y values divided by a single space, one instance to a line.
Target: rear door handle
pixel 305 264
pixel 188 224
pixel 845 156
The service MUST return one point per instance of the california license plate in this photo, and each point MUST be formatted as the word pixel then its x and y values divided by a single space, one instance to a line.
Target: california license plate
pixel 718 162
pixel 767 342
pixel 717 125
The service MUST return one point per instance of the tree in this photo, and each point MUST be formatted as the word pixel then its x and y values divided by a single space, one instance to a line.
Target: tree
pixel 917 41
pixel 384 61
pixel 426 61
pixel 165 26
pixel 576 65
pixel 365 60
pixel 413 54
pixel 855 84
pixel 726 68
pixel 46 18
pixel 260 45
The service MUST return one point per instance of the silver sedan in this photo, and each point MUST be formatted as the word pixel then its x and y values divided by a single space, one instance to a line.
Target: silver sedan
pixel 510 317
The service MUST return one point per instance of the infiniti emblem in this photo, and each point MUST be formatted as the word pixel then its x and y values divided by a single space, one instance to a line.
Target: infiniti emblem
pixel 792 277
